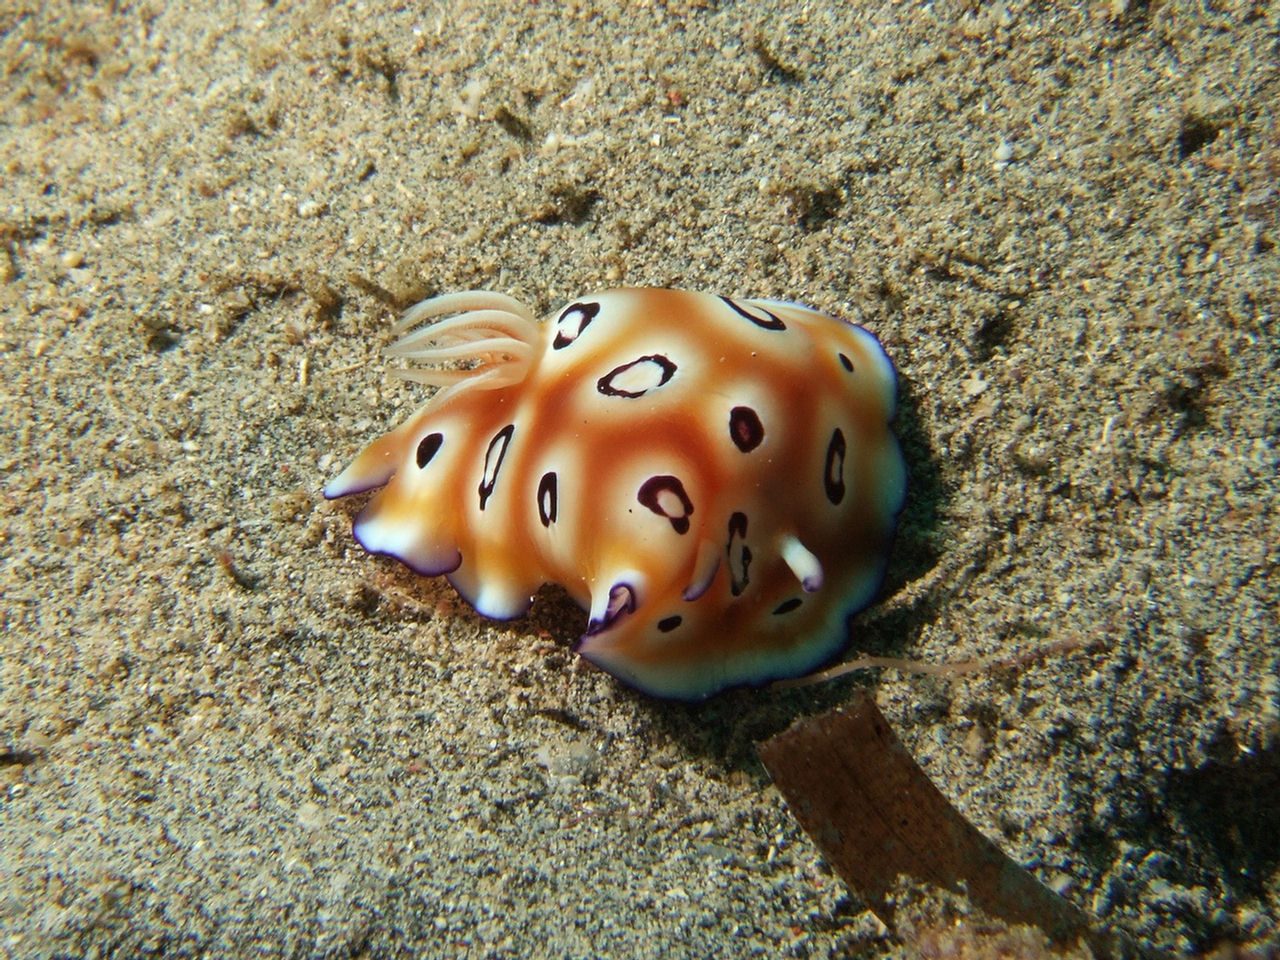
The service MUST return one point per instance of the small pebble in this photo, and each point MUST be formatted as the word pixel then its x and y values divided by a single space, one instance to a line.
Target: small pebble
pixel 311 816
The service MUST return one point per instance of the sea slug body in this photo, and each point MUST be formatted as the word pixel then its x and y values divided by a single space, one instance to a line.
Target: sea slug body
pixel 715 480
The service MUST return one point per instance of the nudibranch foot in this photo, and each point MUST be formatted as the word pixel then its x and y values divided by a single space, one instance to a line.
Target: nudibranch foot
pixel 417 548
pixel 498 598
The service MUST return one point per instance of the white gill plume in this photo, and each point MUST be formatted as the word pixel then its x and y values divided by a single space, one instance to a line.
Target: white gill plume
pixel 493 335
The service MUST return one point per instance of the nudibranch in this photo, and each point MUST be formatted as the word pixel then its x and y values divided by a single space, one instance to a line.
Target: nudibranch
pixel 715 480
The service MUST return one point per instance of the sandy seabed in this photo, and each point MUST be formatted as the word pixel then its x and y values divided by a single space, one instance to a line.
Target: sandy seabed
pixel 225 730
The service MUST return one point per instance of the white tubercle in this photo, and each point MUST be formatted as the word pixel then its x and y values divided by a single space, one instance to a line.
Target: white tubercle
pixel 802 563
pixel 705 566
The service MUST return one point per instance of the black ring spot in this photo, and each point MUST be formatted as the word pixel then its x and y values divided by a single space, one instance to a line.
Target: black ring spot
pixel 639 376
pixel 428 447
pixel 493 461
pixel 573 320
pixel 786 606
pixel 833 475
pixel 739 566
pixel 548 499
pixel 768 321
pixel 845 362
pixel 667 624
pixel 745 428
pixel 650 495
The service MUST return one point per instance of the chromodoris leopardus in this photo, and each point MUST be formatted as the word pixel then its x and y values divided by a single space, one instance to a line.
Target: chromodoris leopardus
pixel 715 480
